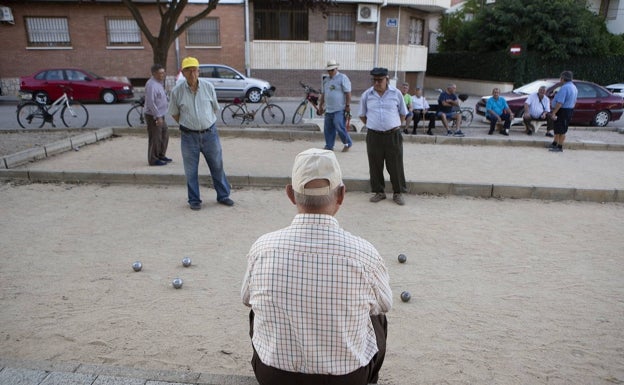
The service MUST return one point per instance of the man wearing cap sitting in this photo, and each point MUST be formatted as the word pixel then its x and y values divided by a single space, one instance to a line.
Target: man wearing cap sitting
pixel 335 102
pixel 318 294
pixel 383 111
pixel 194 106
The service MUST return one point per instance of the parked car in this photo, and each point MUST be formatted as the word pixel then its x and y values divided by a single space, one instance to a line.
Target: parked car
pixel 48 85
pixel 230 84
pixel 617 89
pixel 595 105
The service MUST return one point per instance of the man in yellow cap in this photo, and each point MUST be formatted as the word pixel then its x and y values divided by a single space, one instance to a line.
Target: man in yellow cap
pixel 194 106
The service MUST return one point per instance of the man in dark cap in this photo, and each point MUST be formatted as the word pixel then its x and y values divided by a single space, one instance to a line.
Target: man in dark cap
pixel 563 109
pixel 383 111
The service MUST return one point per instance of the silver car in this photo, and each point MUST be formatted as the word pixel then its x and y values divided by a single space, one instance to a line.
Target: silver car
pixel 617 89
pixel 230 84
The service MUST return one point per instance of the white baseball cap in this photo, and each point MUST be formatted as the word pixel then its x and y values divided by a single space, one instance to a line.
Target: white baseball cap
pixel 315 164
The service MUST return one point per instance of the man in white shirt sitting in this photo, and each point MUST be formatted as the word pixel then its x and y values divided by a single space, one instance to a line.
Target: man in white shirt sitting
pixel 420 108
pixel 537 107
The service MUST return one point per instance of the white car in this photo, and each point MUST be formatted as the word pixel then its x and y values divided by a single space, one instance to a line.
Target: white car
pixel 617 89
pixel 230 84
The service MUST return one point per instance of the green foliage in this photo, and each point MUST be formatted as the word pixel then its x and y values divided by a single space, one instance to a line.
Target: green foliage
pixel 556 29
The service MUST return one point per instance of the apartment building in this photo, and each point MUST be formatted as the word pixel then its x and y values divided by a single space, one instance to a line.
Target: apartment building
pixel 262 38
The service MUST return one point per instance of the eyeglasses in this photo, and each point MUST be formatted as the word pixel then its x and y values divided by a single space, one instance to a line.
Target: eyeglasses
pixel 331 70
pixel 378 80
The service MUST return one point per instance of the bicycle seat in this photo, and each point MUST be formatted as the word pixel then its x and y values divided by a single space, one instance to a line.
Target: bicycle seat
pixel 462 97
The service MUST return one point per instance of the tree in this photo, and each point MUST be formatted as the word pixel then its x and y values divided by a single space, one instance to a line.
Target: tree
pixel 556 29
pixel 170 11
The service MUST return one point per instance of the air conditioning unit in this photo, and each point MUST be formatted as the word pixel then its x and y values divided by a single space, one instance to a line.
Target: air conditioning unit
pixel 6 15
pixel 367 13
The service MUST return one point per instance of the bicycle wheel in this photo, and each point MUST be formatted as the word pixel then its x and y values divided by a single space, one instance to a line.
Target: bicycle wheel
pixel 75 115
pixel 30 115
pixel 298 116
pixel 233 114
pixel 466 118
pixel 135 116
pixel 273 114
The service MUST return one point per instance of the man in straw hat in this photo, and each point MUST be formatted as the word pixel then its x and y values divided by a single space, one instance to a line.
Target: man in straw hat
pixel 318 294
pixel 195 107
pixel 335 102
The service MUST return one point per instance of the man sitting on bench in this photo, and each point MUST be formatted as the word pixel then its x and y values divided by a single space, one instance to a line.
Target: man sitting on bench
pixel 448 108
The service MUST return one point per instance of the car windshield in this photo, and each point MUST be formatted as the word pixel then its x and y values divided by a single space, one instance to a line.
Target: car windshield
pixel 532 87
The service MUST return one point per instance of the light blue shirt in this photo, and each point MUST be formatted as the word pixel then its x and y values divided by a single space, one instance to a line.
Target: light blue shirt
pixel 497 105
pixel 383 112
pixel 334 90
pixel 197 111
pixel 566 95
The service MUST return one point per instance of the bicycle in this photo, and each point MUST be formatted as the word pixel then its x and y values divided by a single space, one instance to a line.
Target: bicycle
pixel 135 116
pixel 34 113
pixel 467 113
pixel 238 112
pixel 311 97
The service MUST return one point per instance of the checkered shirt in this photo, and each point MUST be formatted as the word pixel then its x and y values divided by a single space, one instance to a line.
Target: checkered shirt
pixel 312 287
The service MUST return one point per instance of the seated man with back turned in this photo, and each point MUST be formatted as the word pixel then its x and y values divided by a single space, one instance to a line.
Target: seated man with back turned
pixel 497 111
pixel 537 107
pixel 318 294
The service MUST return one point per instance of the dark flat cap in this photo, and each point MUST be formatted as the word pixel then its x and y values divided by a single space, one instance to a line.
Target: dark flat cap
pixel 379 71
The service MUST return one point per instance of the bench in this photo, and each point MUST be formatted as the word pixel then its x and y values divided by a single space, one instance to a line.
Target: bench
pixel 355 124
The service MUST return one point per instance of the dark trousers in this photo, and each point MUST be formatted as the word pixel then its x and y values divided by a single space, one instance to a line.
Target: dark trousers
pixel 385 148
pixel 369 374
pixel 548 120
pixel 418 116
pixel 505 117
pixel 157 139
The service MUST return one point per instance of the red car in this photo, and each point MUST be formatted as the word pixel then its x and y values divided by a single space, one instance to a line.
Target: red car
pixel 48 85
pixel 595 105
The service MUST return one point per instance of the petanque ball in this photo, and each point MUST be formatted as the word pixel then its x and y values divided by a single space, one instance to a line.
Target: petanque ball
pixel 177 283
pixel 137 266
pixel 186 262
pixel 402 258
pixel 405 296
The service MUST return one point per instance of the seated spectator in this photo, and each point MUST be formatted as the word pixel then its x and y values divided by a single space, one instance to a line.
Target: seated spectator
pixel 419 109
pixel 498 111
pixel 537 107
pixel 407 98
pixel 448 109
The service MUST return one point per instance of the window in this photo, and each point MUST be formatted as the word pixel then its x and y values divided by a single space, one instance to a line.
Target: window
pixel 341 27
pixel 416 31
pixel 47 32
pixel 279 22
pixel 123 32
pixel 204 32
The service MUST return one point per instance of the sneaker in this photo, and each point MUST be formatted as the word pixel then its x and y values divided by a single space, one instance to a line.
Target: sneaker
pixel 491 131
pixel 165 159
pixel 398 199
pixel 552 145
pixel 227 202
pixel 449 132
pixel 195 206
pixel 505 132
pixel 458 133
pixel 549 134
pixel 556 149
pixel 529 132
pixel 327 148
pixel 429 132
pixel 346 147
pixel 378 197
pixel 159 162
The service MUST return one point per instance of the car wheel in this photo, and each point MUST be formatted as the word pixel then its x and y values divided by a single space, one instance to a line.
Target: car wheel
pixel 109 97
pixel 41 97
pixel 254 95
pixel 601 119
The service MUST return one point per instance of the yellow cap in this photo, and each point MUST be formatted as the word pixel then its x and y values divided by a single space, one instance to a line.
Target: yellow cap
pixel 189 62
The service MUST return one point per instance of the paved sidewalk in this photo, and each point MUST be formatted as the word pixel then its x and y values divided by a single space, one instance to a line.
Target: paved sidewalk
pixel 518 166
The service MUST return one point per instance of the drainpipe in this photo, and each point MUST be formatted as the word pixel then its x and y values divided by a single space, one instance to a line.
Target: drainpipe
pixel 247 48
pixel 396 50
pixel 376 53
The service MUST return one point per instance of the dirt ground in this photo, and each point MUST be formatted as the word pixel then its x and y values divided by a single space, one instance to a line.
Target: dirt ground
pixel 503 291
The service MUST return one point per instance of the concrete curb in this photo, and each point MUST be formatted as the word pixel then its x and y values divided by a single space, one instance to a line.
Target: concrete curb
pixel 306 132
pixel 14 372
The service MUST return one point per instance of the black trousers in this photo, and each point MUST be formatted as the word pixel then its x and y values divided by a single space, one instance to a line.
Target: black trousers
pixel 157 139
pixel 369 374
pixel 385 148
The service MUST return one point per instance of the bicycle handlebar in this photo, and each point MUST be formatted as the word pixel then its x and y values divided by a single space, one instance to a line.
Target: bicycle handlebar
pixel 308 89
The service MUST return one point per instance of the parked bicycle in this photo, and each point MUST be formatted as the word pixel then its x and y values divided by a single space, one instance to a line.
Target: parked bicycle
pixel 34 113
pixel 311 98
pixel 467 113
pixel 135 116
pixel 239 113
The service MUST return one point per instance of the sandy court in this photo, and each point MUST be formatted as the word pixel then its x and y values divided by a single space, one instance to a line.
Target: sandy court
pixel 503 291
